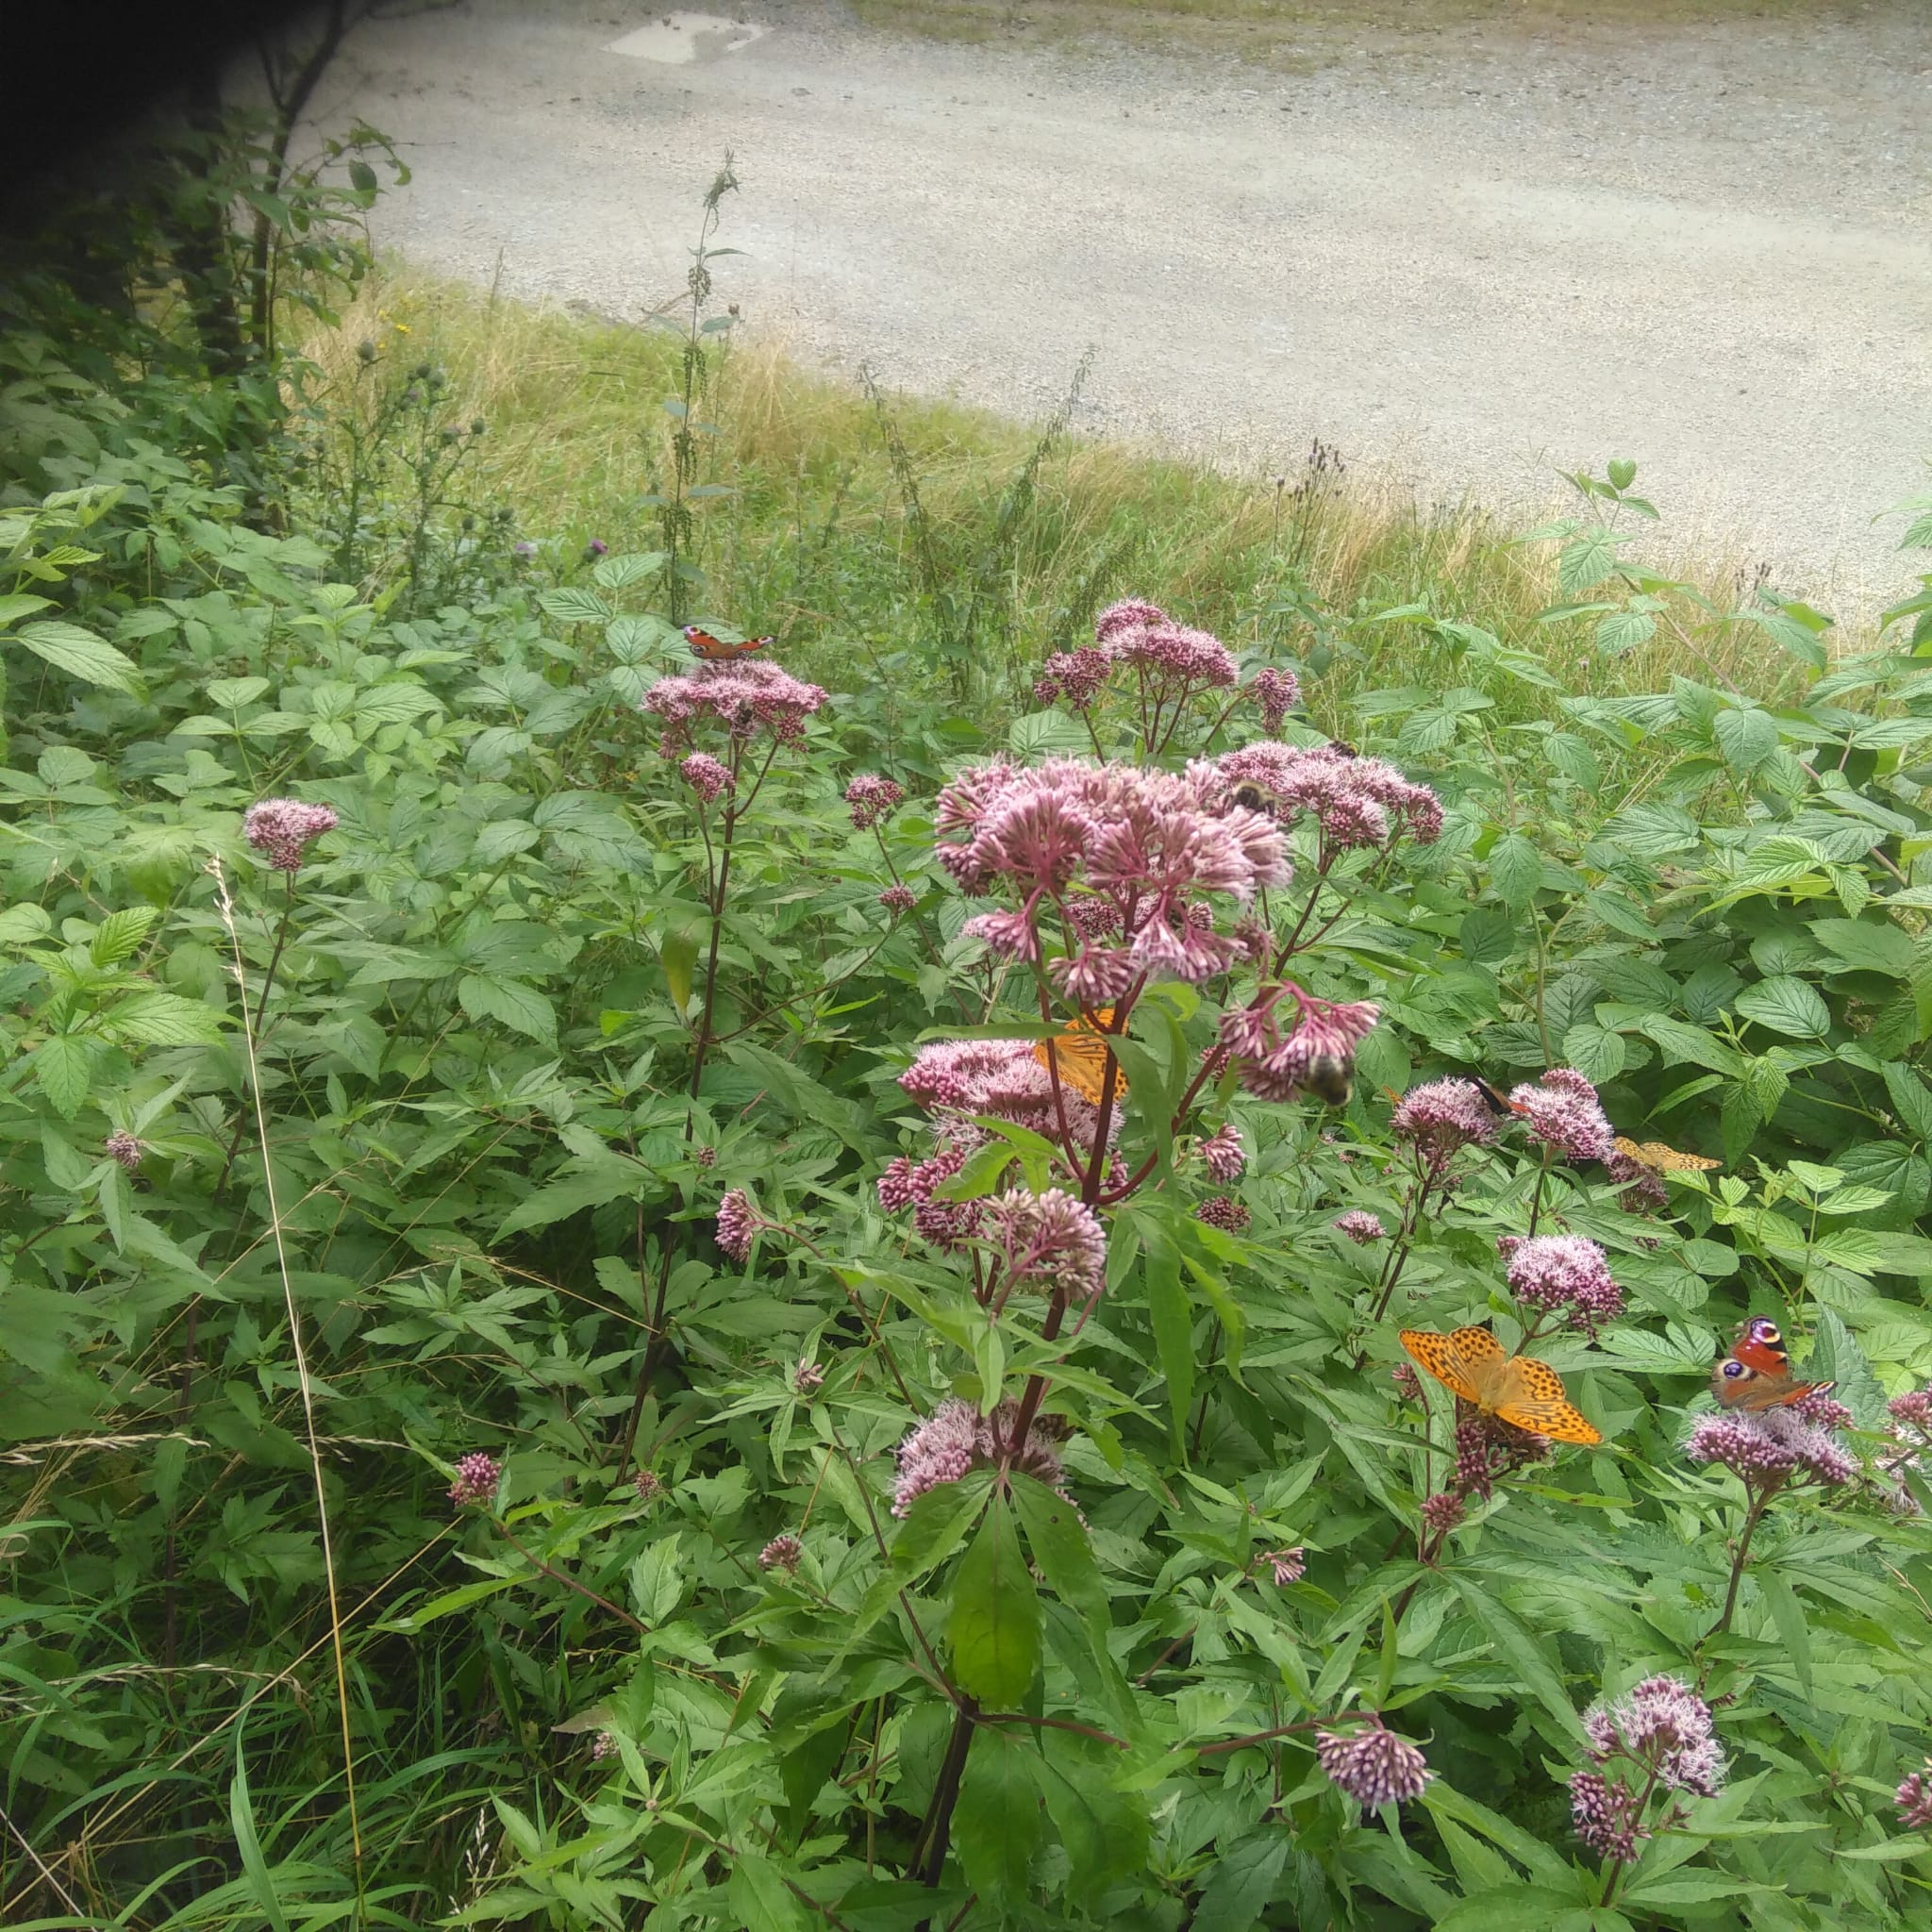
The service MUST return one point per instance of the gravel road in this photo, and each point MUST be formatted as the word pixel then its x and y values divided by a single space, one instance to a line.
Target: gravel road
pixel 1467 262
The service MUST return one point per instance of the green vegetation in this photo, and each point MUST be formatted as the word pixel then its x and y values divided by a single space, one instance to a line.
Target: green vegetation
pixel 574 1356
pixel 1296 35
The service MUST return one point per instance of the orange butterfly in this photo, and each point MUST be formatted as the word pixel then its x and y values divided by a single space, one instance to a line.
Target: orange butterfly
pixel 1082 1054
pixel 716 651
pixel 1516 1388
pixel 1758 1373
pixel 1659 1158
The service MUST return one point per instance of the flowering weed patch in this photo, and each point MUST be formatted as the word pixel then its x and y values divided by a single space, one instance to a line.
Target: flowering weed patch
pixel 650 1289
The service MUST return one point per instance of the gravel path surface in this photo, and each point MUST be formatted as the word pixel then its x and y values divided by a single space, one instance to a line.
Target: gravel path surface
pixel 1468 262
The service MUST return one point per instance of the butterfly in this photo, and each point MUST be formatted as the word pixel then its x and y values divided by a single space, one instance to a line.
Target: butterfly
pixel 715 650
pixel 1658 1159
pixel 1756 1373
pixel 1081 1054
pixel 1516 1388
pixel 1493 1096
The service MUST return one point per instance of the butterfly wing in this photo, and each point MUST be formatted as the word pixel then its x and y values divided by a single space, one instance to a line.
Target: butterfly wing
pixel 1761 1347
pixel 1081 1054
pixel 1662 1159
pixel 716 650
pixel 1444 1357
pixel 1532 1397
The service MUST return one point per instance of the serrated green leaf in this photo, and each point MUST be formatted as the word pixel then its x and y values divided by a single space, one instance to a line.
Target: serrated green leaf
pixel 995 1621
pixel 64 1070
pixel 80 653
pixel 996 1822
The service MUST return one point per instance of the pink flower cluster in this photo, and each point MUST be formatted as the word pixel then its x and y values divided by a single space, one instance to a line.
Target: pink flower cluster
pixel 1914 1799
pixel 872 799
pixel 1316 1053
pixel 956 1439
pixel 898 900
pixel 1050 1242
pixel 1769 1446
pixel 784 1553
pixel 744 696
pixel 1556 1271
pixel 477 1476
pixel 122 1146
pixel 1150 845
pixel 1354 801
pixel 706 775
pixel 1360 1227
pixel 1079 677
pixel 282 830
pixel 1488 1449
pixel 1276 693
pixel 1373 1767
pixel 738 1220
pixel 1563 1112
pixel 1441 1513
pixel 1660 1738
pixel 1288 1566
pixel 1441 1117
pixel 1224 1212
pixel 1223 1152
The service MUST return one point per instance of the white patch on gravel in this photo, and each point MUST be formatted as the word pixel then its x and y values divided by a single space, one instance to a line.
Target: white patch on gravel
pixel 1468 263
pixel 675 40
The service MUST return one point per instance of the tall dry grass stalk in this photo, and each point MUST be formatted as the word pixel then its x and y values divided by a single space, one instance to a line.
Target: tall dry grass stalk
pixel 225 907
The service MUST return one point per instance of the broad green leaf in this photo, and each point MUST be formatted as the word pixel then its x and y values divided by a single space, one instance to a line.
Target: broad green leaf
pixel 936 1524
pixel 80 653
pixel 1241 1882
pixel 997 1825
pixel 63 1066
pixel 1061 1547
pixel 1787 1005
pixel 1516 870
pixel 162 1019
pixel 1103 1829
pixel 995 1622
pixel 760 1898
pixel 1518 1645
pixel 521 1008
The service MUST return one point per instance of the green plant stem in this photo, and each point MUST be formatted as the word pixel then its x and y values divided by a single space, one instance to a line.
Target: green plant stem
pixel 1760 1501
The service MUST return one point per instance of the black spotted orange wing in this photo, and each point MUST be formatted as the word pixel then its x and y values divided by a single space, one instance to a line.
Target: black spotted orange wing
pixel 1661 1158
pixel 1082 1054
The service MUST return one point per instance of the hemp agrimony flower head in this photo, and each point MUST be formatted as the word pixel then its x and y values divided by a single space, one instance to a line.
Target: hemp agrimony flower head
pixel 1373 1767
pixel 782 1552
pixel 1914 1799
pixel 1441 1117
pixel 1316 1053
pixel 1561 1110
pixel 1659 1739
pixel 1563 1271
pixel 872 799
pixel 282 830
pixel 1354 803
pixel 1049 1243
pixel 477 1478
pixel 1224 1153
pixel 1360 1227
pixel 738 1220
pixel 706 775
pixel 956 1438
pixel 1767 1448
pixel 1158 849
pixel 1224 1212
pixel 746 696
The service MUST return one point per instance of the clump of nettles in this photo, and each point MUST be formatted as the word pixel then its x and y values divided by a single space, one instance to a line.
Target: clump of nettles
pixel 1660 1741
